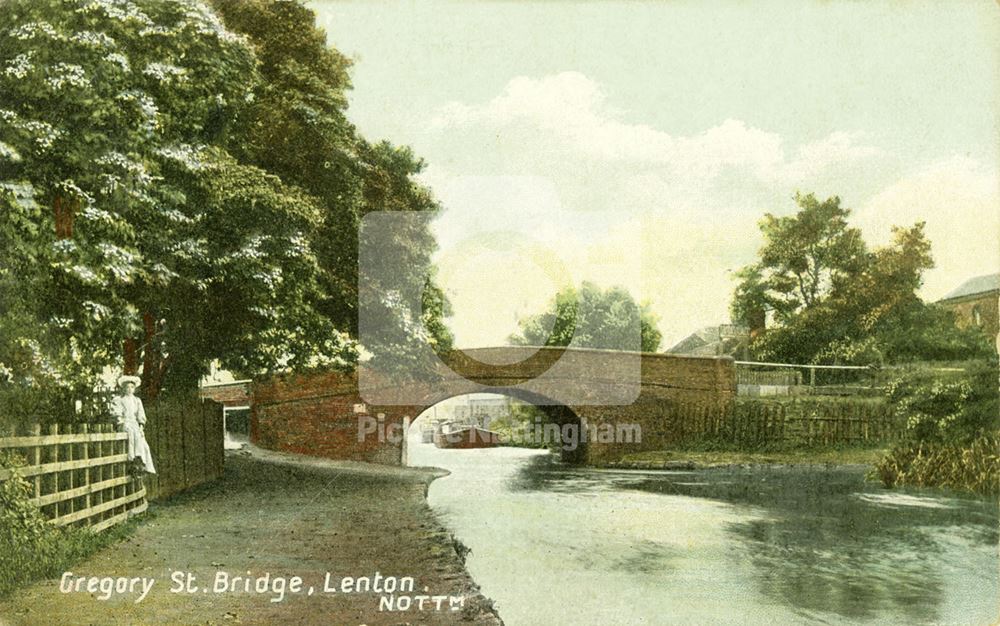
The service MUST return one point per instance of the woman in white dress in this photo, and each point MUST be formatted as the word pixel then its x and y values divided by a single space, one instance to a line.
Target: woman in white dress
pixel 127 409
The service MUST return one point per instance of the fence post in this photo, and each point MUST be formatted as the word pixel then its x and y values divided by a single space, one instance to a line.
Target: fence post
pixel 85 429
pixel 54 430
pixel 36 457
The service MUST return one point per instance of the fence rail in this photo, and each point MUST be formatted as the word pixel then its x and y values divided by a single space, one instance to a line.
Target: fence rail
pixel 837 380
pixel 78 473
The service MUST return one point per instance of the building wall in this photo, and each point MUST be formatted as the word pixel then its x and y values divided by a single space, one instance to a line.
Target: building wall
pixel 986 304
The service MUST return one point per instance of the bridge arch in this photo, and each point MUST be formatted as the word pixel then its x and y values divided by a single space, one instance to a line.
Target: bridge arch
pixel 562 429
pixel 326 414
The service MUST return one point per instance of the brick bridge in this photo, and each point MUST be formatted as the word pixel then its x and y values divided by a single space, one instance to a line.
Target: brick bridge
pixel 669 397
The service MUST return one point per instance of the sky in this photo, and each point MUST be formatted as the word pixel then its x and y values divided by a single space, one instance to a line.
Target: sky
pixel 639 143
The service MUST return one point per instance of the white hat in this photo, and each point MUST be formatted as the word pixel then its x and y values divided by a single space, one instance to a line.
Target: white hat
pixel 129 379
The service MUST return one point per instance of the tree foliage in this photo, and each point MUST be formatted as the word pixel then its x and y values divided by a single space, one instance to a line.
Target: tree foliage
pixel 592 317
pixel 177 189
pixel 297 128
pixel 832 300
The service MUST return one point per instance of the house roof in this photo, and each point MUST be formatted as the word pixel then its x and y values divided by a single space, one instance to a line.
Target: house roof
pixel 698 339
pixel 973 286
pixel 709 341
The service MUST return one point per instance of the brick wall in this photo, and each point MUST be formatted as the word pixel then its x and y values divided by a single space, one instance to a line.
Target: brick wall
pixel 229 394
pixel 987 306
pixel 322 414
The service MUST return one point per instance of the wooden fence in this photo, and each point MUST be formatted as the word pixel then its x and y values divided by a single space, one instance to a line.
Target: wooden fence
pixel 79 474
pixel 187 441
pixel 79 471
pixel 799 422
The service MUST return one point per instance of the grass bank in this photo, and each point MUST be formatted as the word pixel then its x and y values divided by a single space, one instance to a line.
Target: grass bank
pixel 707 458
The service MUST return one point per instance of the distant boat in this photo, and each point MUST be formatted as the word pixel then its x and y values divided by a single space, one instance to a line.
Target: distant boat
pixel 467 437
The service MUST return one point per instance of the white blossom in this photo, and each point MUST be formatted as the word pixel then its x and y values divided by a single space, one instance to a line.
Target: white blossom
pixel 146 106
pixel 163 273
pixel 84 273
pixel 136 170
pixel 165 72
pixel 184 154
pixel 8 153
pixel 94 214
pixel 67 74
pixel 114 253
pixel 298 245
pixel 44 133
pixel 207 23
pixel 97 311
pixel 35 29
pixel 176 216
pixel 156 29
pixel 189 248
pixel 6 374
pixel 121 10
pixel 20 66
pixel 64 246
pixel 118 59
pixel 71 188
pixel 93 39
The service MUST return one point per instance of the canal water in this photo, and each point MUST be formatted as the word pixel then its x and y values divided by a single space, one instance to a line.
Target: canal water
pixel 555 544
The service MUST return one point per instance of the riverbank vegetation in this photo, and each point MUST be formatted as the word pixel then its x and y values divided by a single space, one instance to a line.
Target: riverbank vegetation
pixel 709 456
pixel 952 430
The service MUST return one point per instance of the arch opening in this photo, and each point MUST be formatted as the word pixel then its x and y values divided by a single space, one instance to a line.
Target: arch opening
pixel 519 419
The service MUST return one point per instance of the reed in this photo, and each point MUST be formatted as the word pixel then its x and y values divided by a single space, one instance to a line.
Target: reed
pixel 971 467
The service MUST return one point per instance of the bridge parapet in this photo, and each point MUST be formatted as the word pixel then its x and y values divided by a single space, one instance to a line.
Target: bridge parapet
pixel 320 413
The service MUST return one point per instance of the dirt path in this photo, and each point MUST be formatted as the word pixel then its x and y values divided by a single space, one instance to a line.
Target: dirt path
pixel 287 516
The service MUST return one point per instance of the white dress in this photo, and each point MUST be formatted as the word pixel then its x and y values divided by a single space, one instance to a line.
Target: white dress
pixel 132 417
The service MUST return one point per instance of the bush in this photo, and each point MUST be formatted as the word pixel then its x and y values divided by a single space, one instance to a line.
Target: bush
pixel 952 436
pixel 952 410
pixel 30 547
pixel 27 541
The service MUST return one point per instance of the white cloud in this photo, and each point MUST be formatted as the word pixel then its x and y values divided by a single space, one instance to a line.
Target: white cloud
pixel 555 149
pixel 571 110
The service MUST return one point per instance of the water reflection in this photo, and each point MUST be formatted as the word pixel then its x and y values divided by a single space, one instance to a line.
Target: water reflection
pixel 776 545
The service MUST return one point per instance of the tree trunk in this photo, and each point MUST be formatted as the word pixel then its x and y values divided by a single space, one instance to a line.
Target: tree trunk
pixel 131 351
pixel 63 211
pixel 154 365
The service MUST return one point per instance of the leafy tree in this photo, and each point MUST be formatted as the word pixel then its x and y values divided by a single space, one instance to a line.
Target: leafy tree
pixel 296 127
pixel 593 318
pixel 804 257
pixel 833 300
pixel 156 243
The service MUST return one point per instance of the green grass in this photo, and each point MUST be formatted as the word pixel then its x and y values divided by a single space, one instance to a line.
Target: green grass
pixel 706 457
